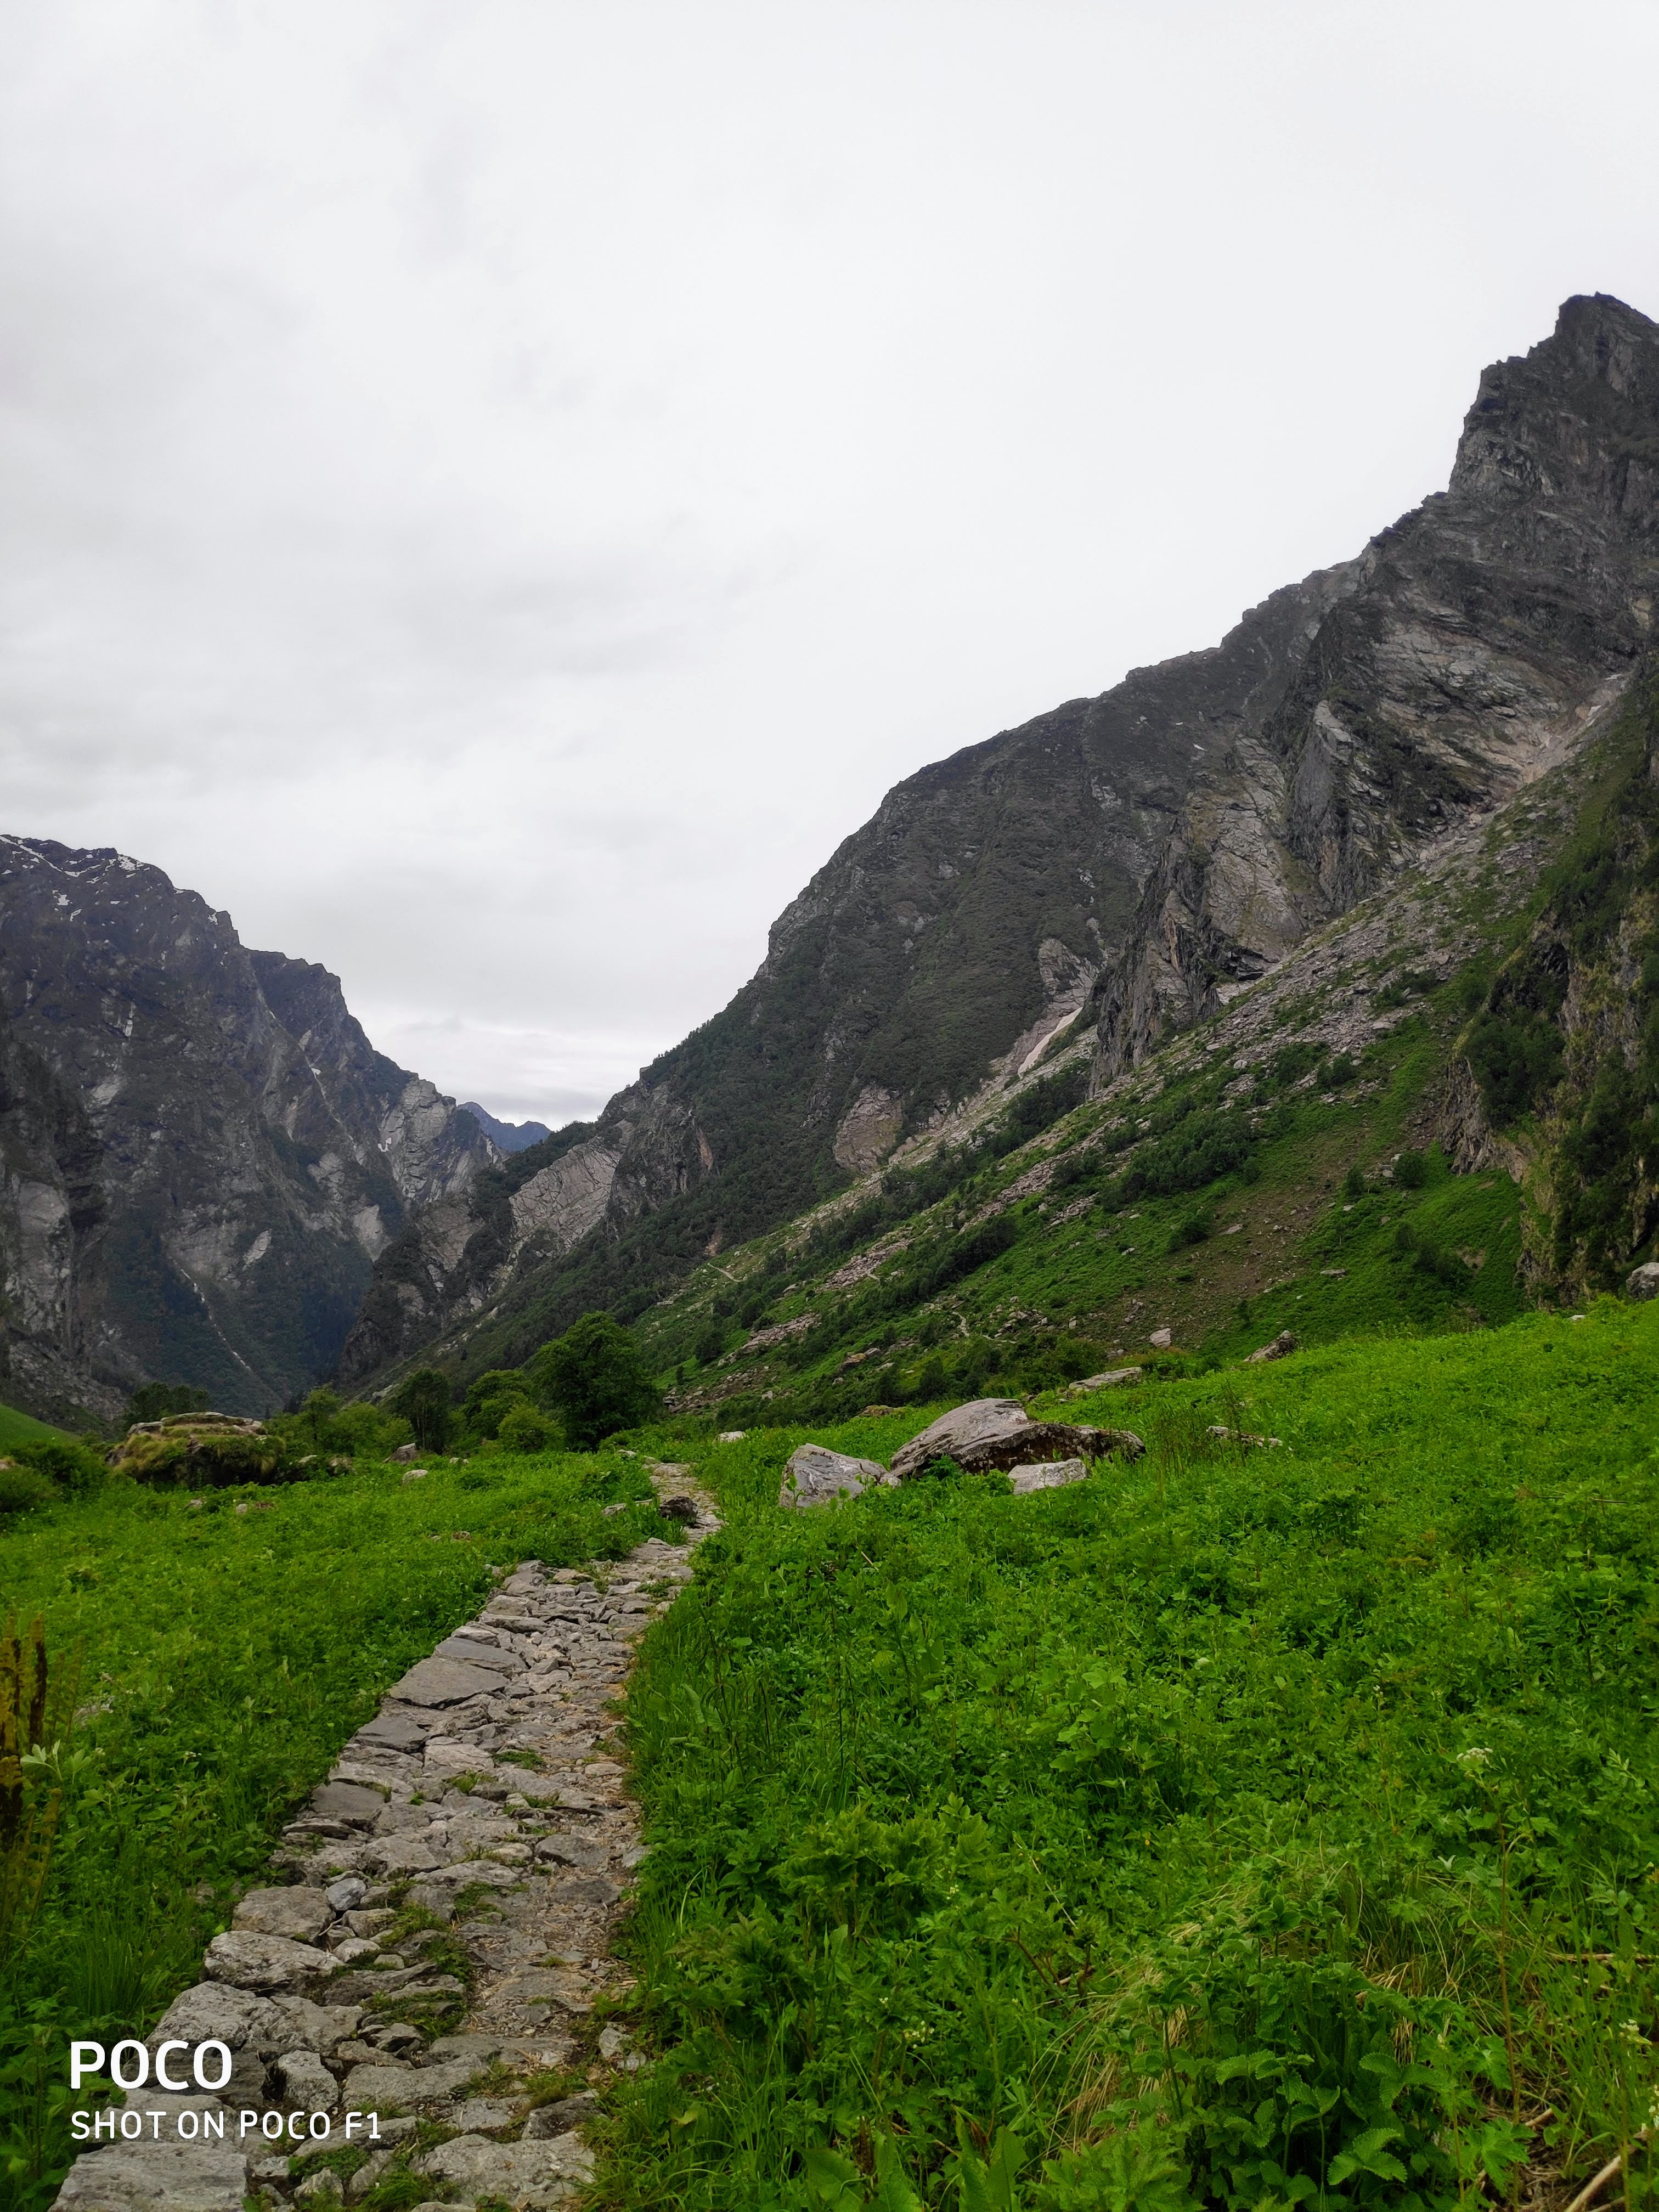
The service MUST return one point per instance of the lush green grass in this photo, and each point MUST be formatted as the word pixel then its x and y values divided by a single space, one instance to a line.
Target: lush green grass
pixel 228 1656
pixel 1227 1826
pixel 17 1428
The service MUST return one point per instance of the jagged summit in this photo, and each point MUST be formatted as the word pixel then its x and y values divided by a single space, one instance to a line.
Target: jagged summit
pixel 1469 644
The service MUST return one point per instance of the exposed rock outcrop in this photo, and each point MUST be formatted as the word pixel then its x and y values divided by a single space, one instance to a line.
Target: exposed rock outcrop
pixel 203 1154
pixel 1466 650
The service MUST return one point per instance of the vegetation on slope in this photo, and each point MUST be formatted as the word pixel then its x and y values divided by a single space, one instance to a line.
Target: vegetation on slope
pixel 1249 1826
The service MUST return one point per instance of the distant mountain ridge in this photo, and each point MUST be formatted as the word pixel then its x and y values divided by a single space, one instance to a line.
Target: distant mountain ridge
pixel 204 1153
pixel 1130 861
pixel 508 1137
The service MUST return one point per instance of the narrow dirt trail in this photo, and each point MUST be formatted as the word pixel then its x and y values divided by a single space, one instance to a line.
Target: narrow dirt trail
pixel 485 1794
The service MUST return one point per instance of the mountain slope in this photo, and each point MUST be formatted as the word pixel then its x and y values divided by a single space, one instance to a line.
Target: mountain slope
pixel 1154 850
pixel 205 1153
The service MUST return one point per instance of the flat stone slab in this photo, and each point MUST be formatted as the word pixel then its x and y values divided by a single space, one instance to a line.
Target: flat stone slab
pixel 300 1913
pixel 528 2174
pixel 445 1682
pixel 1053 1474
pixel 396 1731
pixel 157 2177
pixel 472 1652
pixel 367 2087
pixel 351 1801
pixel 248 1961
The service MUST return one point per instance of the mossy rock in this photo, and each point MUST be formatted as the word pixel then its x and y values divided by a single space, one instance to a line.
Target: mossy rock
pixel 208 1450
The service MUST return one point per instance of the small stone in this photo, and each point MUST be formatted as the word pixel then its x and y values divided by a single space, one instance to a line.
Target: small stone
pixel 558 2119
pixel 731 1435
pixel 1054 1475
pixel 481 2115
pixel 307 2082
pixel 1113 1379
pixel 357 1950
pixel 612 2043
pixel 347 1895
pixel 1161 1339
pixel 1284 1342
pixel 321 2187
pixel 1642 1282
pixel 415 1474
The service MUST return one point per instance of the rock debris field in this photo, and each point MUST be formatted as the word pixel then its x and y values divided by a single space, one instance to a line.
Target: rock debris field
pixel 483 1795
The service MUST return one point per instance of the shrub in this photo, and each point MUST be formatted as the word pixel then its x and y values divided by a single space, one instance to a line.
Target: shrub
pixel 711 1342
pixel 1353 1183
pixel 1195 1229
pixel 73 1467
pixel 526 1429
pixel 1411 1171
pixel 22 1488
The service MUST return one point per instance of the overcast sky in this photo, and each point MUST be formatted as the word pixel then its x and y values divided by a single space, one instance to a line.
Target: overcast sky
pixel 491 493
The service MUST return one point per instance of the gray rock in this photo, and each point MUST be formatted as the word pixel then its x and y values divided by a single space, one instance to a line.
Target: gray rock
pixel 1642 1282
pixel 473 1652
pixel 467 1873
pixel 557 2119
pixel 589 1891
pixel 406 1454
pixel 1284 1342
pixel 347 1895
pixel 300 1914
pixel 306 2081
pixel 157 2177
pixel 318 2027
pixel 396 1731
pixel 481 2114
pixel 588 1852
pixel 982 1421
pixel 479 2051
pixel 1053 1474
pixel 248 1961
pixel 1113 1379
pixel 532 2175
pixel 357 1806
pixel 389 2083
pixel 322 2187
pixel 400 1855
pixel 815 1475
pixel 445 1682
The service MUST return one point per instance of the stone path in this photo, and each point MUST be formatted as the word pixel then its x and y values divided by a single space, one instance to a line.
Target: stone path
pixel 481 1802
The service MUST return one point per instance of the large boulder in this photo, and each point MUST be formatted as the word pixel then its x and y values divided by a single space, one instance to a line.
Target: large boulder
pixel 1642 1282
pixel 301 1914
pixel 206 1451
pixel 266 1963
pixel 816 1474
pixel 965 1429
pixel 1005 1444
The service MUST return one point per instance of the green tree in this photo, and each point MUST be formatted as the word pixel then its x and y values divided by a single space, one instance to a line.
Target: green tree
pixel 491 1396
pixel 594 1377
pixel 153 1402
pixel 423 1401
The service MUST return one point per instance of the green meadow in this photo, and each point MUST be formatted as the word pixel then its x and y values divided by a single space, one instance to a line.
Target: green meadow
pixel 1250 1826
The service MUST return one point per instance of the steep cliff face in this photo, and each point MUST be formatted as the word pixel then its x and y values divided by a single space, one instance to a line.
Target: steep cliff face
pixel 230 1153
pixel 948 940
pixel 1471 645
pixel 1148 854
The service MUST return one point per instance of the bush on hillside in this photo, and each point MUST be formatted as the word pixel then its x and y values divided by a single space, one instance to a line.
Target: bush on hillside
pixel 594 1377
pixel 522 1429
pixel 490 1398
pixel 71 1465
pixel 22 1488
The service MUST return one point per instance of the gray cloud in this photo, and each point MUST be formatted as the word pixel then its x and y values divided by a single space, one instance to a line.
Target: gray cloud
pixel 492 496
